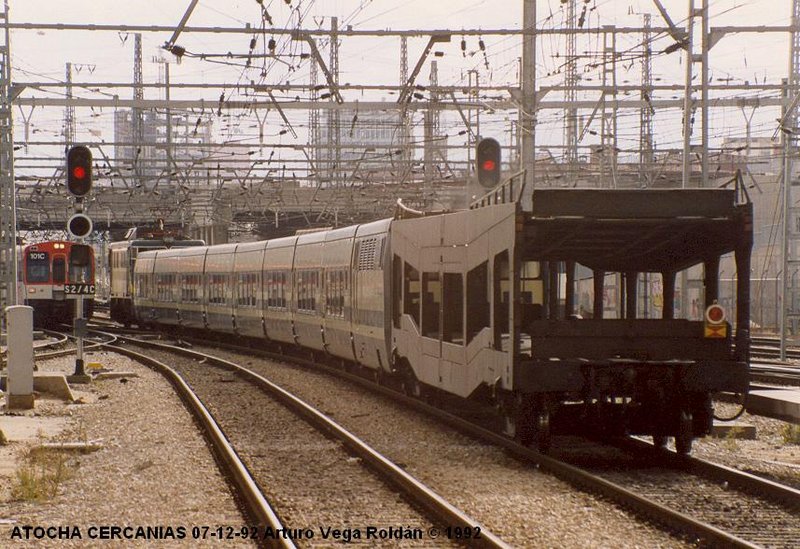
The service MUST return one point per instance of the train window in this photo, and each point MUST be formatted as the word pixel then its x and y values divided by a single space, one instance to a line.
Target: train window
pixel 312 279
pixel 140 286
pixel 255 289
pixel 431 303
pixel 80 254
pixel 276 289
pixel 453 306
pixel 164 287
pixel 397 294
pixel 80 264
pixel 411 292
pixel 189 289
pixel 59 270
pixel 300 288
pixel 216 288
pixel 307 284
pixel 246 290
pixel 501 298
pixel 37 265
pixel 335 288
pixel 477 300
pixel 242 289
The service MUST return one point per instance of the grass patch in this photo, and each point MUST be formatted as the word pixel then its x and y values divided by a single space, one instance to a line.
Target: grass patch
pixel 731 439
pixel 791 433
pixel 40 475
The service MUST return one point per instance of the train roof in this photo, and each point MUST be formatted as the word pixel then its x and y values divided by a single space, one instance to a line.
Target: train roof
pixel 155 244
pixel 635 230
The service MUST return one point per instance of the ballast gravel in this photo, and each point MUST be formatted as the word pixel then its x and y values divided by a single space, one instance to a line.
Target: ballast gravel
pixel 154 469
pixel 525 507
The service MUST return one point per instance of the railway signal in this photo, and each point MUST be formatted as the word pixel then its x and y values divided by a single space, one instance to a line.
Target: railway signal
pixel 79 226
pixel 79 170
pixel 715 326
pixel 487 158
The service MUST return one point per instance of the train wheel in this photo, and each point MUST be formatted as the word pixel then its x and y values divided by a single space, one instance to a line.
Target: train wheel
pixel 411 387
pixel 509 414
pixel 543 437
pixel 519 421
pixel 683 440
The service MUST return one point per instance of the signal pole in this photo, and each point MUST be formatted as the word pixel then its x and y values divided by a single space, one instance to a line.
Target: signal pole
pixel 79 226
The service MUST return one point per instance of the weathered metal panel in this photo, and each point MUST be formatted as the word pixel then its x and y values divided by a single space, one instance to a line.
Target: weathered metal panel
pixel 651 203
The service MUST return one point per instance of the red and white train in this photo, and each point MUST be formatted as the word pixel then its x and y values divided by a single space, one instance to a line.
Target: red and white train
pixel 52 275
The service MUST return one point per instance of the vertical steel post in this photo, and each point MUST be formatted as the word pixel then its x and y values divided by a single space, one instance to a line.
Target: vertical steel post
pixel 704 92
pixel 8 197
pixel 528 107
pixel 78 326
pixel 687 100
pixel 787 209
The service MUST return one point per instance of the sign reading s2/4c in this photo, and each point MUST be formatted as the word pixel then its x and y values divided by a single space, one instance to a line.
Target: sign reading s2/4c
pixel 79 289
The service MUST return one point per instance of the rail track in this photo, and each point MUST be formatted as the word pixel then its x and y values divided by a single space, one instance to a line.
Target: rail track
pixel 203 370
pixel 660 498
pixel 60 343
pixel 768 348
pixel 756 511
pixel 256 506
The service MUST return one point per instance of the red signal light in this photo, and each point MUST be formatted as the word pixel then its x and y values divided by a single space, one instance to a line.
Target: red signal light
pixel 487 162
pixel 79 170
pixel 715 314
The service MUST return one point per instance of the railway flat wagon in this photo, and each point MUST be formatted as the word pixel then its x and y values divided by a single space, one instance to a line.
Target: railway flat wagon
pixel 481 304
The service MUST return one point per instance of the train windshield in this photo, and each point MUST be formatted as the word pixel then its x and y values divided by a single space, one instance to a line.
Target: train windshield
pixel 80 264
pixel 37 266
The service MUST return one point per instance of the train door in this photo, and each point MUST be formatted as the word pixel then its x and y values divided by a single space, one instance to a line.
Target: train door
pixel 59 269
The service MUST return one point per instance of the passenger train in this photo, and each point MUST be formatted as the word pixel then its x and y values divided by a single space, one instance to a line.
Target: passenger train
pixel 480 303
pixel 52 275
pixel 121 258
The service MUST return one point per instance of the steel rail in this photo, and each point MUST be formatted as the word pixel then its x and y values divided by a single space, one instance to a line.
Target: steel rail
pixel 644 507
pixel 753 484
pixel 65 352
pixel 256 505
pixel 37 346
pixel 409 485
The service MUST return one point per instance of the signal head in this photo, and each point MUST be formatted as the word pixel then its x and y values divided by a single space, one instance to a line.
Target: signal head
pixel 79 226
pixel 487 158
pixel 715 314
pixel 79 170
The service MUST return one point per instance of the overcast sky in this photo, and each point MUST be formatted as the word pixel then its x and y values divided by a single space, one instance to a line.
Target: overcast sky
pixel 107 56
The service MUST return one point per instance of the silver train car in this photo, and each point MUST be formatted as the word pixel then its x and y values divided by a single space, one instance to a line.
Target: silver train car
pixel 121 259
pixel 481 304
